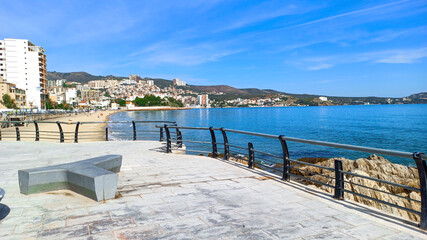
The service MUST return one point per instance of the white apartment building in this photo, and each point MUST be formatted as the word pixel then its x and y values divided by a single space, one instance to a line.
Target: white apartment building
pixel 70 95
pixel 203 100
pixel 128 82
pixel 150 82
pixel 24 64
pixel 81 87
pixel 99 84
pixel 56 83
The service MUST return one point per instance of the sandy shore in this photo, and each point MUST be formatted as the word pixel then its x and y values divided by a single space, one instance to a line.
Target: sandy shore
pixel 50 131
pixel 87 132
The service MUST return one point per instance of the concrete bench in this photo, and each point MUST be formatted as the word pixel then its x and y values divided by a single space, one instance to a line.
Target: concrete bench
pixel 95 178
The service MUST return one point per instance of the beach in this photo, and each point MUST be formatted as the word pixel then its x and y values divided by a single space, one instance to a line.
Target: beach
pixel 49 131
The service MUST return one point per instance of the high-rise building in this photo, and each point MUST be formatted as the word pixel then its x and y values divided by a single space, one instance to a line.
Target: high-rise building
pixel 203 100
pixel 24 64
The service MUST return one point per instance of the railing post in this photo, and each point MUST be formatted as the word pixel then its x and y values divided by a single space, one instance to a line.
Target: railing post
pixel 422 173
pixel 134 130
pixel 161 134
pixel 339 180
pixel 168 139
pixel 178 138
pixel 226 146
pixel 106 134
pixel 37 131
pixel 76 133
pixel 286 162
pixel 251 155
pixel 0 133
pixel 61 133
pixel 214 147
pixel 18 136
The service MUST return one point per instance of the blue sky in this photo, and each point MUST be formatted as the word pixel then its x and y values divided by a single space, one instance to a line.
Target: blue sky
pixel 345 48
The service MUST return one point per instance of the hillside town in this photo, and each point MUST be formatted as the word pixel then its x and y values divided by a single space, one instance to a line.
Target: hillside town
pixel 127 93
pixel 24 85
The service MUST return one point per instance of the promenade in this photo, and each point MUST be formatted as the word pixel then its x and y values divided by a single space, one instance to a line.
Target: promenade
pixel 173 196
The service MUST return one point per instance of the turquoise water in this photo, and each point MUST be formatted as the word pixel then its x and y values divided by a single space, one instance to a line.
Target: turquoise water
pixel 394 127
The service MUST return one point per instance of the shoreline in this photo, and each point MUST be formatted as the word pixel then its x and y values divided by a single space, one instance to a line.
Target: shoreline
pixel 155 108
pixel 49 132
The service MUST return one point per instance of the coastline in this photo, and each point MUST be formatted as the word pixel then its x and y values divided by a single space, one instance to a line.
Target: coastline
pixel 156 108
pixel 50 131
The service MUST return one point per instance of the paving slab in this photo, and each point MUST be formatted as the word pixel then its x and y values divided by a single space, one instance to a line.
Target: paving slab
pixel 176 196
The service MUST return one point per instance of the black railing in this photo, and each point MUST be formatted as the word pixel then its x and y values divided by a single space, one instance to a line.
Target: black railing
pixel 78 131
pixel 281 163
pixel 288 168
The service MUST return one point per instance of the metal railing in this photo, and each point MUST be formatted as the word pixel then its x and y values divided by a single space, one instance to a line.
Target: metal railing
pixel 281 164
pixel 73 132
pixel 288 167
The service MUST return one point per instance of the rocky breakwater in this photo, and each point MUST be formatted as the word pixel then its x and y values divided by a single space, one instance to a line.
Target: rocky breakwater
pixel 373 166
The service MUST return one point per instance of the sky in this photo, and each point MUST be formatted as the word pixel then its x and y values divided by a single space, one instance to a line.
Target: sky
pixel 335 48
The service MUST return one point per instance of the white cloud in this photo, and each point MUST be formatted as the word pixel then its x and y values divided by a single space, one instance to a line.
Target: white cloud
pixel 184 54
pixel 320 66
pixel 394 56
pixel 357 12
pixel 402 56
pixel 264 12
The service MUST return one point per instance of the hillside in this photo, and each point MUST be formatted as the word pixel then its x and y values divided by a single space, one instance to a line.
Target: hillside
pixel 81 77
pixel 225 92
pixel 419 97
pixel 229 92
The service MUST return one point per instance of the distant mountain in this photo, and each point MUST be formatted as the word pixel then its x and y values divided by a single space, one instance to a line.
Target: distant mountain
pixel 81 77
pixel 419 97
pixel 225 92
pixel 231 90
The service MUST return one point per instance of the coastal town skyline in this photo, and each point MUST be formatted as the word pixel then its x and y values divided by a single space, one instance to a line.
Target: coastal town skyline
pixel 357 49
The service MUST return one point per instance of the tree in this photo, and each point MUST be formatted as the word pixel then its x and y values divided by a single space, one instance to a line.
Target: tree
pixel 49 103
pixel 8 102
pixel 151 100
pixel 120 101
pixel 307 101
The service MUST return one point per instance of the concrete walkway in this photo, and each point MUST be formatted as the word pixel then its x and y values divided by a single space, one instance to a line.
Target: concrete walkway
pixel 171 196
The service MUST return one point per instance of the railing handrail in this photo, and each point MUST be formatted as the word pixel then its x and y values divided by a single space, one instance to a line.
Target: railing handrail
pixel 89 122
pixel 65 135
pixel 285 167
pixel 387 152
pixel 339 188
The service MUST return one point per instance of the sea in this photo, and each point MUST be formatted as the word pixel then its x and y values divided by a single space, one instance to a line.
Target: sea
pixel 393 127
